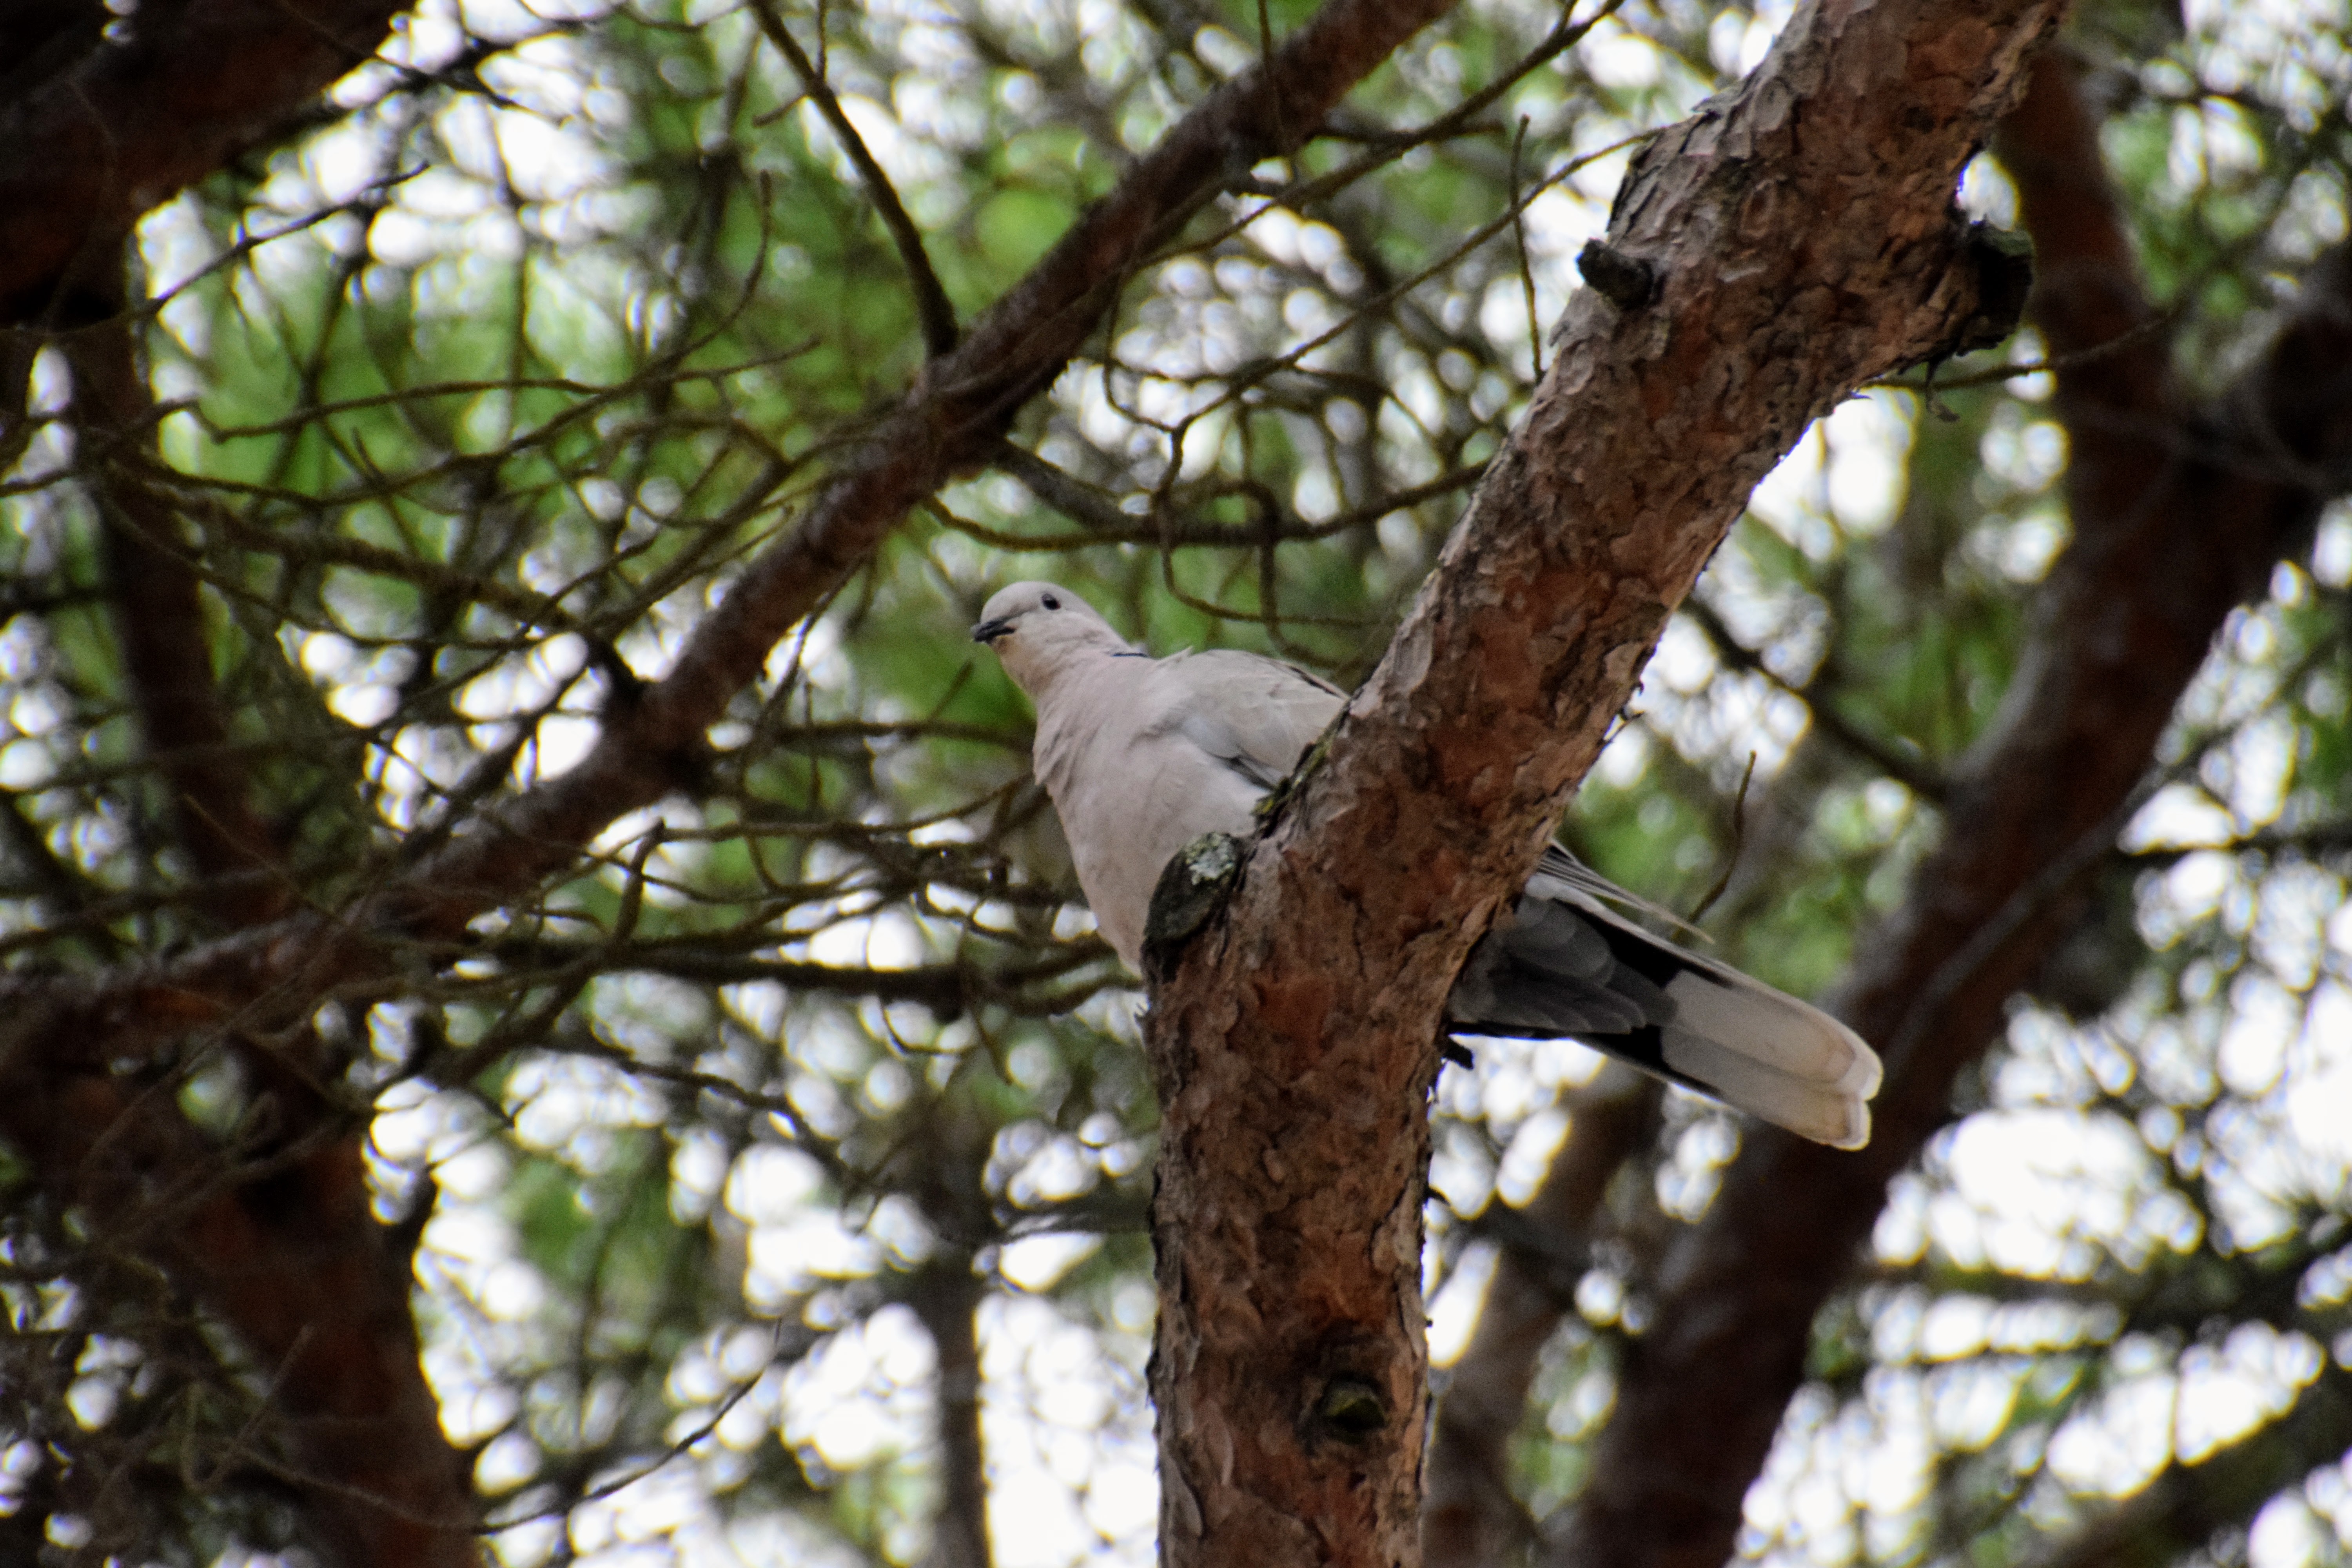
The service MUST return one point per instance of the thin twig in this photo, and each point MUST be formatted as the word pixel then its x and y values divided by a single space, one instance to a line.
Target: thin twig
pixel 1739 841
pixel 940 333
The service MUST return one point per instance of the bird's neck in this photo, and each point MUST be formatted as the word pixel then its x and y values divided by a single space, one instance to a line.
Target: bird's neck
pixel 1072 666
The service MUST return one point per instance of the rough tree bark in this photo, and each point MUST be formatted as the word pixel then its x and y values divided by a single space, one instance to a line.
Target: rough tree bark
pixel 2178 513
pixel 1793 240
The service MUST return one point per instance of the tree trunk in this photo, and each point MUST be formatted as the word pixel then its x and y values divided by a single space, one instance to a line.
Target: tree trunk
pixel 1788 243
pixel 2178 516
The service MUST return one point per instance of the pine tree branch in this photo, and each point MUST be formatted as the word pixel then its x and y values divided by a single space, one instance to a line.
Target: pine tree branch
pixel 652 738
pixel 277 1240
pixel 2177 517
pixel 159 626
pixel 127 117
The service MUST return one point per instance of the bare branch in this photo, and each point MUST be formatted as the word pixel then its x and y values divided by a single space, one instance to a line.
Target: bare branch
pixel 2187 1505
pixel 159 624
pixel 932 306
pixel 652 738
pixel 1887 757
pixel 280 1240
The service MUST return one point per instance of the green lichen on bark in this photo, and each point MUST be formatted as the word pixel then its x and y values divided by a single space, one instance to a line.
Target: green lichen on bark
pixel 1193 886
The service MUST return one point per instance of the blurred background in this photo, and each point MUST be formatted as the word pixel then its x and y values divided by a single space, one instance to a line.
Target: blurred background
pixel 769 1186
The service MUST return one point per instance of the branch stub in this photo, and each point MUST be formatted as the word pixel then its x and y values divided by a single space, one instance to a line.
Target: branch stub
pixel 1352 1408
pixel 2002 260
pixel 1626 281
pixel 1193 888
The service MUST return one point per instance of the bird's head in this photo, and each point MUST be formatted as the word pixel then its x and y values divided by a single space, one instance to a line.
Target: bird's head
pixel 1036 628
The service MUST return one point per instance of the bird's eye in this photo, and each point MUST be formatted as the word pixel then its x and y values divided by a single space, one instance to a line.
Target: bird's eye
pixel 1051 602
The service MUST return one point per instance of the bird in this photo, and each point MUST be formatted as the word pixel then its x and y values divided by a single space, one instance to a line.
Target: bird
pixel 1142 755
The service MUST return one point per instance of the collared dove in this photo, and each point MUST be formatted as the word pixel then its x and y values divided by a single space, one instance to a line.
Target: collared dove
pixel 1142 755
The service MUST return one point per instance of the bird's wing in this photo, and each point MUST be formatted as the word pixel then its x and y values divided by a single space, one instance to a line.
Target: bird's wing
pixel 1257 716
pixel 1561 865
pixel 1144 756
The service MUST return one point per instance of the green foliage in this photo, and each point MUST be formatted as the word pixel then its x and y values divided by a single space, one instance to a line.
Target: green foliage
pixel 476 395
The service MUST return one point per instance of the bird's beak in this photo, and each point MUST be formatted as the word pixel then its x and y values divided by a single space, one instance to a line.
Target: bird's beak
pixel 989 631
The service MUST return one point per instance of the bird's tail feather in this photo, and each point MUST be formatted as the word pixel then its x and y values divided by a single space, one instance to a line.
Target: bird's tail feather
pixel 1807 1107
pixel 1751 1019
pixel 1691 1019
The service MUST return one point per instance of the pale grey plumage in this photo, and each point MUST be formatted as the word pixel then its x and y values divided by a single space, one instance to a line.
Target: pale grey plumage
pixel 1142 755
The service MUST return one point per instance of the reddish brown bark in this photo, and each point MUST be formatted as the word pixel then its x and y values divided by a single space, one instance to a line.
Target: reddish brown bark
pixel 2177 517
pixel 1795 239
pixel 279 1241
pixel 159 627
pixel 111 127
